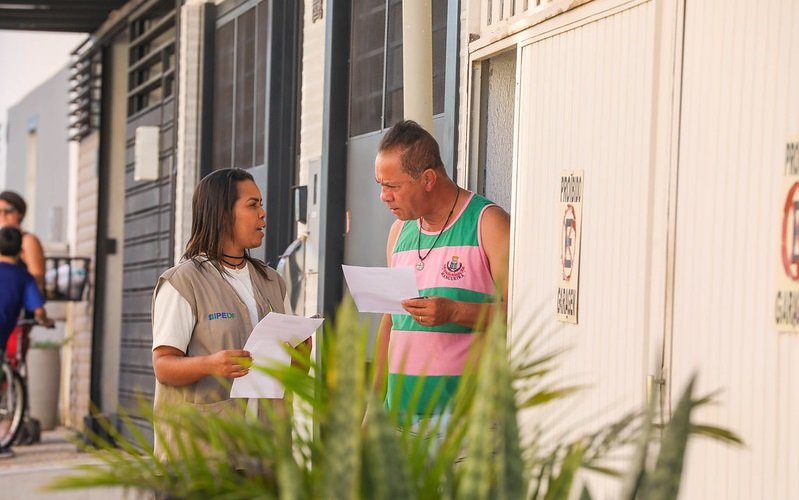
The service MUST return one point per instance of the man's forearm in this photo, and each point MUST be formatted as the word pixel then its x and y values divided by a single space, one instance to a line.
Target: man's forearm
pixel 475 314
pixel 381 354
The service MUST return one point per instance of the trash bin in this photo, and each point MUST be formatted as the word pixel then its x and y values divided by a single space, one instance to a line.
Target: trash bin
pixel 44 382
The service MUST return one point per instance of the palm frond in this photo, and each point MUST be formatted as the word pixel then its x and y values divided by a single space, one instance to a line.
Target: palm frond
pixel 473 450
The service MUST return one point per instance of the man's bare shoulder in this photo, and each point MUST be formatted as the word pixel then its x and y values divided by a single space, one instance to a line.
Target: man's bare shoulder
pixel 496 216
pixel 393 234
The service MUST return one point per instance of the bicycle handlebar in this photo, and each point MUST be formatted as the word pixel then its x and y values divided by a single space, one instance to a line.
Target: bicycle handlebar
pixel 35 322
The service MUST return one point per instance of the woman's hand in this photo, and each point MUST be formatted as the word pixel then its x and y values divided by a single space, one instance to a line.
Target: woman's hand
pixel 432 310
pixel 173 367
pixel 232 363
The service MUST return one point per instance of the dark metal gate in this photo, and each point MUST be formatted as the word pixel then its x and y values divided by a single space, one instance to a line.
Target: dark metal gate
pixel 149 199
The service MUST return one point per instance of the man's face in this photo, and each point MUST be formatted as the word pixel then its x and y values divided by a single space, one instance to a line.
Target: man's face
pixel 403 194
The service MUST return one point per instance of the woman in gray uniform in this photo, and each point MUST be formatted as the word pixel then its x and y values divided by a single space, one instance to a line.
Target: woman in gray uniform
pixel 205 307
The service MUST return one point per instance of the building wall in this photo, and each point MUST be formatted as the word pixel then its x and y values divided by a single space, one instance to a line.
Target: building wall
pixel 576 114
pixel 311 121
pixel 740 106
pixel 38 157
pixel 678 113
pixel 77 353
pixel 190 117
pixel 499 129
pixel 116 72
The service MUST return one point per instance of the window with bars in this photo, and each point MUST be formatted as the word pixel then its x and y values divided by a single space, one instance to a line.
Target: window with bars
pixel 376 99
pixel 151 70
pixel 240 88
pixel 85 93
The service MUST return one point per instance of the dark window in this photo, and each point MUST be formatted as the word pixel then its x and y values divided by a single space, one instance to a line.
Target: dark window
pixel 239 88
pixel 260 87
pixel 394 100
pixel 376 67
pixel 366 68
pixel 245 86
pixel 223 95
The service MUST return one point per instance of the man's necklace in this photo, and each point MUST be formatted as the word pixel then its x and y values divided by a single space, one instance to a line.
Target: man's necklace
pixel 420 264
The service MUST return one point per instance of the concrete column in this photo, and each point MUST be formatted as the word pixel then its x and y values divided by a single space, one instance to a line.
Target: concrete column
pixel 417 61
pixel 189 117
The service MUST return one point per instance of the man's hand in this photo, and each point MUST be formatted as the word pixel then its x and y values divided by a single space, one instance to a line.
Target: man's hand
pixel 46 322
pixel 304 350
pixel 432 310
pixel 41 319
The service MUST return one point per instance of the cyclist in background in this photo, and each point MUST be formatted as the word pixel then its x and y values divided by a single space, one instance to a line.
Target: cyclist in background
pixel 12 213
pixel 19 292
pixel 31 257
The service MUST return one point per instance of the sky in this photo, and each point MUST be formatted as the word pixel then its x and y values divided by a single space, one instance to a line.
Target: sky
pixel 28 58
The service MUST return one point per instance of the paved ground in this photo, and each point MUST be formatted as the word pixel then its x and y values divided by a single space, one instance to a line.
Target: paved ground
pixel 23 476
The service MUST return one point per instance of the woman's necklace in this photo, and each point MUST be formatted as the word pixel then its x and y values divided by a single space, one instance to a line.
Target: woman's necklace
pixel 420 264
pixel 236 257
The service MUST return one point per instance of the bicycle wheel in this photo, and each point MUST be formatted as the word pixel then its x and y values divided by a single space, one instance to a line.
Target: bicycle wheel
pixel 12 404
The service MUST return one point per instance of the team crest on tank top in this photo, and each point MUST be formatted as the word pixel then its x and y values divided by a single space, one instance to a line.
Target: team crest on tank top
pixel 453 270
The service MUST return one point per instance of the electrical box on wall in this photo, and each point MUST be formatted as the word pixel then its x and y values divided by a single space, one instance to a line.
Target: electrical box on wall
pixel 146 166
pixel 300 203
pixel 312 209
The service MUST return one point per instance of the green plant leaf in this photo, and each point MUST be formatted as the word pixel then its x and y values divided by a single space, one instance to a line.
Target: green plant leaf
pixel 386 474
pixel 481 452
pixel 345 379
pixel 560 486
pixel 664 481
pixel 718 433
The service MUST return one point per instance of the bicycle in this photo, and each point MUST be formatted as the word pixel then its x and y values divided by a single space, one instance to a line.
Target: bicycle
pixel 14 388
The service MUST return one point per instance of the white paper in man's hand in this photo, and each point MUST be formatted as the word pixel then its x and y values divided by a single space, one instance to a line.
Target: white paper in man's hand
pixel 267 348
pixel 381 289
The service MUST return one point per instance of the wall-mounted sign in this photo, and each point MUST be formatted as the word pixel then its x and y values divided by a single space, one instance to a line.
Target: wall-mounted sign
pixel 786 303
pixel 570 223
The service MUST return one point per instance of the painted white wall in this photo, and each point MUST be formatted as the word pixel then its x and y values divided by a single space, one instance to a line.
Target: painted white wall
pixel 682 142
pixel 577 112
pixel 740 105
pixel 499 128
pixel 311 121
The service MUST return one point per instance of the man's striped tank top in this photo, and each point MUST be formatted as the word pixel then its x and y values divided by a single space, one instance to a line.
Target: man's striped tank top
pixel 425 363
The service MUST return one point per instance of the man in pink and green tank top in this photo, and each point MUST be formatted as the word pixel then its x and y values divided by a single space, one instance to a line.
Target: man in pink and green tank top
pixel 457 242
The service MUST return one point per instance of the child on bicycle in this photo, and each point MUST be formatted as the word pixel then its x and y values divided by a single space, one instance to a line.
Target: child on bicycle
pixel 18 292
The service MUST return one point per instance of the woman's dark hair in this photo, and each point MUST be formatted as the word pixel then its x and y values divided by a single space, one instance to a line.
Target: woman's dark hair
pixel 10 241
pixel 15 201
pixel 419 150
pixel 212 217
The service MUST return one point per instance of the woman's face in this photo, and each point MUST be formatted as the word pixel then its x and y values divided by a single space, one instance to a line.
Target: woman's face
pixel 248 218
pixel 9 216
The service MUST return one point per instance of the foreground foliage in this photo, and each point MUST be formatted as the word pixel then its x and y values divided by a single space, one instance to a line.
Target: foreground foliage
pixel 361 450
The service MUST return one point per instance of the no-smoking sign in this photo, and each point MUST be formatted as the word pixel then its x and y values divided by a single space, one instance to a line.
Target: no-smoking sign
pixel 786 298
pixel 569 223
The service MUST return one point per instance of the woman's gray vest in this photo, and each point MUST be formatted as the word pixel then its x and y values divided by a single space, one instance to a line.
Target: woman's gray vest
pixel 223 322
